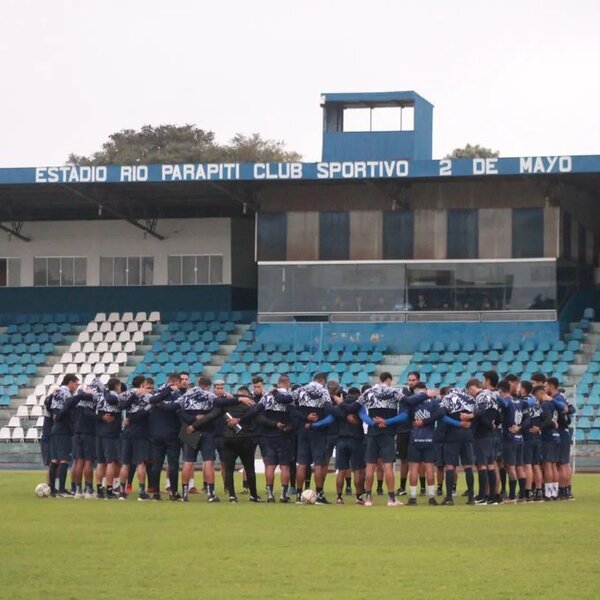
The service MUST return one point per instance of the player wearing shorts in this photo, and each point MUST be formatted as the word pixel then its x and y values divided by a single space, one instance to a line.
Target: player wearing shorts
pixel 532 443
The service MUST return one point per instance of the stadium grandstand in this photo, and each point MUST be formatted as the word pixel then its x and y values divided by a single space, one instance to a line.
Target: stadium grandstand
pixel 376 259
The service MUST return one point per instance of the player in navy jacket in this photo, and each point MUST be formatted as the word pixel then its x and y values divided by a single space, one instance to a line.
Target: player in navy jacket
pixel 531 443
pixel 550 438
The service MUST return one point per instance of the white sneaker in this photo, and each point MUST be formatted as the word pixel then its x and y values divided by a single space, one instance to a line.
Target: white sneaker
pixel 395 503
pixel 78 495
pixel 89 496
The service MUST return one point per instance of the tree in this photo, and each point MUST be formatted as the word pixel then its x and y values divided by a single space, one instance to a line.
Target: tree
pixel 475 151
pixel 182 144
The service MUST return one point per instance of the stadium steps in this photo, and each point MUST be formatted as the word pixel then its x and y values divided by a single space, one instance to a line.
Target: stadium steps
pixel 395 364
pixel 225 351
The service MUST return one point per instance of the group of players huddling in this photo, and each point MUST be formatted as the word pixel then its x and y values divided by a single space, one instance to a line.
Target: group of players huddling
pixel 509 431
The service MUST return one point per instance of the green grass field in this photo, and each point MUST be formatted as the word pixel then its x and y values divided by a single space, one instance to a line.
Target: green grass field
pixel 66 548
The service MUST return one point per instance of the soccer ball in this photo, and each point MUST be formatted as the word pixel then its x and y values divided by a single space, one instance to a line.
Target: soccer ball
pixel 309 497
pixel 42 490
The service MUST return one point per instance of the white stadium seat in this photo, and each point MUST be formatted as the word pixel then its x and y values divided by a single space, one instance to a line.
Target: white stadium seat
pixel 104 378
pixel 99 368
pixel 22 412
pixel 146 327
pixel 14 422
pixel 132 326
pixel 93 358
pixel 86 368
pixel 110 337
pixel 105 327
pixel 112 369
pixel 36 411
pixel 67 357
pixel 108 357
pixel 49 380
pixel 92 327
pixel 137 337
pixel 79 358
pixel 18 434
pixel 100 317
pixel 129 348
pixel 32 434
pixel 31 400
pixel 40 390
pixel 113 317
pixel 71 368
pixel 59 368
pixel 39 422
pixel 4 434
pixel 102 347
pixel 84 336
pixel 121 358
pixel 88 347
pixel 74 347
pixel 128 316
pixel 97 337
pixel 116 347
pixel 120 326
pixel 154 317
pixel 88 379
pixel 124 336
pixel 141 316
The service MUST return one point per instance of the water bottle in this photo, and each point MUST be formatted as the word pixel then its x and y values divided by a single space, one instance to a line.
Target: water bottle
pixel 237 427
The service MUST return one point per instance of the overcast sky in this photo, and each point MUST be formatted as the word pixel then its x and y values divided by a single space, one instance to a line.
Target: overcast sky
pixel 517 76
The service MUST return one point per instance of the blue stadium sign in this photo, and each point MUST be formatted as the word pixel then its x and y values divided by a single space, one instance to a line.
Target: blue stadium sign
pixel 348 170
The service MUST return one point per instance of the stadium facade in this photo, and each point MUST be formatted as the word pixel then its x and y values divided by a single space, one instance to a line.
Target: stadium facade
pixel 377 241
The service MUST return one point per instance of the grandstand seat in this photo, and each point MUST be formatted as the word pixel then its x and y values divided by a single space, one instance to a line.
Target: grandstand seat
pixel 5 434
pixel 32 435
pixel 18 435
pixel 36 411
pixel 23 412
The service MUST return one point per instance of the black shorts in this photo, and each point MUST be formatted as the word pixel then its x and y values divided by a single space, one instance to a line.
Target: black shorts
pixel 107 450
pixel 439 454
pixel 550 450
pixel 402 441
pixel 331 444
pixel 499 444
pixel 349 454
pixel 261 442
pixel 512 453
pixel 135 451
pixel 458 453
pixel 532 451
pixel 312 448
pixel 45 450
pixel 485 450
pixel 60 447
pixel 206 447
pixel 564 450
pixel 84 446
pixel 219 445
pixel 421 453
pixel 278 450
pixel 380 447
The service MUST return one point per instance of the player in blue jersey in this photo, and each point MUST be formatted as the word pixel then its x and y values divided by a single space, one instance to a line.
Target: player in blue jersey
pixel 108 432
pixel 550 438
pixel 382 409
pixel 531 443
pixel 459 409
pixel 421 447
pixel 60 407
pixel 487 416
pixel 314 412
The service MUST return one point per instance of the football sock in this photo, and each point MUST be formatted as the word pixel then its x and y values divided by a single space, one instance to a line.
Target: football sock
pixel 244 483
pixel 482 476
pixel 130 476
pixel 512 486
pixel 422 481
pixel 503 480
pixel 402 483
pixel 491 483
pixel 449 483
pixel 109 490
pixel 348 482
pixel 270 489
pixel 52 470
pixel 380 484
pixel 561 492
pixel 392 496
pixel 548 490
pixel 142 488
pixel 62 476
pixel 470 479
pixel 413 491
pixel 73 487
pixel 319 491
pixel 521 487
pixel 431 491
pixel 184 489
pixel 284 490
pixel 98 487
pixel 210 489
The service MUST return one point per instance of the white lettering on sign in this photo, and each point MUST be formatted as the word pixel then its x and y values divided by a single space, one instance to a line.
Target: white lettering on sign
pixel 356 169
pixel 546 164
pixel 485 166
pixel 85 174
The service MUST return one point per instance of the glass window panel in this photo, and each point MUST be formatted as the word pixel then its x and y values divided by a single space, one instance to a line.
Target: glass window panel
pixel 527 232
pixel 106 270
pixel 334 235
pixel 40 271
pixel 174 270
pixel 80 271
pixel 14 272
pixel 271 231
pixel 463 233
pixel 147 270
pixel 398 234
pixel 216 269
pixel 202 266
pixel 133 270
pixel 188 270
pixel 53 270
pixel 66 271
pixel 120 270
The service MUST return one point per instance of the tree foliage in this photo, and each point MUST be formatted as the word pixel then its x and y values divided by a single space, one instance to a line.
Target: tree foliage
pixel 182 144
pixel 476 151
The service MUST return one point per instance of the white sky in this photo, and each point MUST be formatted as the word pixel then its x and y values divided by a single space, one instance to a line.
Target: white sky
pixel 517 76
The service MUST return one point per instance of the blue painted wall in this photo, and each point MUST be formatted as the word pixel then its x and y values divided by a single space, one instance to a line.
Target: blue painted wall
pixel 405 338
